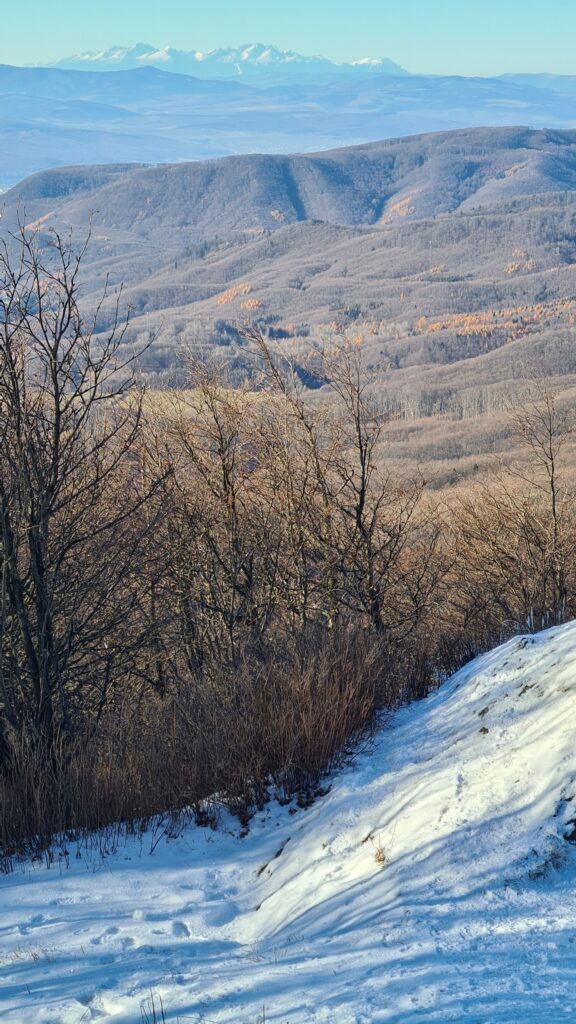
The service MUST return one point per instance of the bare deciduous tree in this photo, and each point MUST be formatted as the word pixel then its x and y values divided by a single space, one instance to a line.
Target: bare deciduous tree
pixel 70 536
pixel 515 534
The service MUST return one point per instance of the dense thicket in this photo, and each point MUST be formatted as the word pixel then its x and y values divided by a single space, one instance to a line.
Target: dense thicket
pixel 216 590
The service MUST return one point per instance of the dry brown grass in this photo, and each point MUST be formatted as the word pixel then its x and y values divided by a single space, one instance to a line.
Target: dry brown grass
pixel 274 727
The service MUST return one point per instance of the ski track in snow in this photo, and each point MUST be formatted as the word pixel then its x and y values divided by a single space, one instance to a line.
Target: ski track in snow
pixel 466 796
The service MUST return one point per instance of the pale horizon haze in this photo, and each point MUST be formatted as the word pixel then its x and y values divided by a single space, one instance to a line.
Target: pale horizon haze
pixel 424 36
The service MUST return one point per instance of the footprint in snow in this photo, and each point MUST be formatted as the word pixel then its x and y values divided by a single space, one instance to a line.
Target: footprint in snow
pixel 180 930
pixel 34 922
pixel 109 933
pixel 86 998
pixel 63 901
pixel 220 913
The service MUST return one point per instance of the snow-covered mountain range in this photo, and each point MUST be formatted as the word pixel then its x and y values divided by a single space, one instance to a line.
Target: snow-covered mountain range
pixel 250 60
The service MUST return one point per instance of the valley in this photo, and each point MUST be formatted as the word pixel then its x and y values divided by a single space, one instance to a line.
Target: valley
pixel 451 257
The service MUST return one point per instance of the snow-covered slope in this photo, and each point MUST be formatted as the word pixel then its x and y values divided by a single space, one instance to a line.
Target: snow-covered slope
pixel 435 882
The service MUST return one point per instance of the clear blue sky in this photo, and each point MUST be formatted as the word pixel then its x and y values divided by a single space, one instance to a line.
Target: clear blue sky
pixel 437 36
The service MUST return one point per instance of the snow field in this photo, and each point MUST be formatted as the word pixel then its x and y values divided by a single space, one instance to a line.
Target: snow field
pixel 434 883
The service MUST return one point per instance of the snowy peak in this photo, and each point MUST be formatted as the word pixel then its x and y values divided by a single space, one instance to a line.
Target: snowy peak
pixel 250 59
pixel 114 57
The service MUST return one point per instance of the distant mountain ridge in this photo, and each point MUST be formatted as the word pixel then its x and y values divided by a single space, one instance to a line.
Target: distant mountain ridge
pixel 252 60
pixel 441 247
pixel 376 184
pixel 52 117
